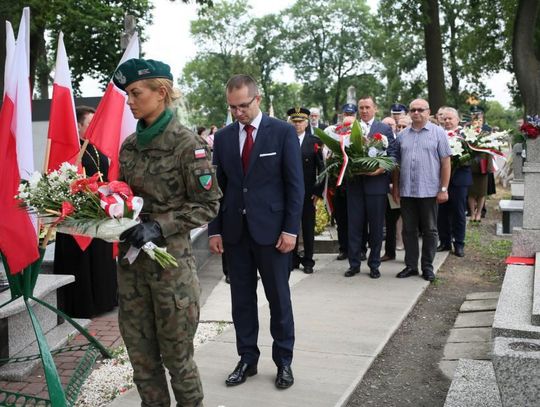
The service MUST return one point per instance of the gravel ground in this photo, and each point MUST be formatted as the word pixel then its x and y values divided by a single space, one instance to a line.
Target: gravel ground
pixel 115 376
pixel 406 373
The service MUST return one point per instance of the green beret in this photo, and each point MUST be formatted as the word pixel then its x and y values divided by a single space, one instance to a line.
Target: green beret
pixel 134 70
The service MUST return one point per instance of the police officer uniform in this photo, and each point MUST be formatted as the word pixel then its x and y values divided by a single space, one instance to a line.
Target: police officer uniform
pixel 159 308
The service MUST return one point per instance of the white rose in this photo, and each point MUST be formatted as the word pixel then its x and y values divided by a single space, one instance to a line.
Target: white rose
pixel 372 152
pixel 34 180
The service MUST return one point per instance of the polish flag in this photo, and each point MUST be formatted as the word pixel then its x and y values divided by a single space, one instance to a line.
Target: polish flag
pixel 63 132
pixel 18 238
pixel 113 120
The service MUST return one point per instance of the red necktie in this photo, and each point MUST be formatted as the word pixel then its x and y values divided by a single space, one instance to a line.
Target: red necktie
pixel 248 145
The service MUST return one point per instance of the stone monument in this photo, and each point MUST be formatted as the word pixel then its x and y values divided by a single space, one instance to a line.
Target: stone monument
pixel 526 240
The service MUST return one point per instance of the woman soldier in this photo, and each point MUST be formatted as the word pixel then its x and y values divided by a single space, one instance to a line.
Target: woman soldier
pixel 169 167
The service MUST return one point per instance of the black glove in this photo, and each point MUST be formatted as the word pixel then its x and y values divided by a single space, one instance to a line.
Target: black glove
pixel 142 233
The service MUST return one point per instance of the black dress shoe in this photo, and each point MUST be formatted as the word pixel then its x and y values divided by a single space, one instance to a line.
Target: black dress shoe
pixel 407 272
pixel 240 373
pixel 341 256
pixel 308 269
pixel 458 251
pixel 444 248
pixel 428 276
pixel 374 273
pixel 363 256
pixel 352 271
pixel 284 378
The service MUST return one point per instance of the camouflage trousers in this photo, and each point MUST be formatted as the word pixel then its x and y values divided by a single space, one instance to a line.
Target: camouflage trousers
pixel 158 316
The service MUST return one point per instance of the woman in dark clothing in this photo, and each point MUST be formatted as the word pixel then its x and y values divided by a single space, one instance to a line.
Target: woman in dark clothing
pixel 95 288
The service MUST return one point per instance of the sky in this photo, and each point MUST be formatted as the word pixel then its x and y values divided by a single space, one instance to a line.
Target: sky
pixel 169 40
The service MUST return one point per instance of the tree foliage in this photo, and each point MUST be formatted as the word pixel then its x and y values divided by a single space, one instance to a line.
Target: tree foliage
pixel 329 40
pixel 92 30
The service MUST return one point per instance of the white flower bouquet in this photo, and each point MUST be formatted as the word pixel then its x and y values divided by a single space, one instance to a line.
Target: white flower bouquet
pixel 78 205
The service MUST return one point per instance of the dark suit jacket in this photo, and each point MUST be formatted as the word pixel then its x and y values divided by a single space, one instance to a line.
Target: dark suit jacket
pixel 380 184
pixel 272 191
pixel 312 165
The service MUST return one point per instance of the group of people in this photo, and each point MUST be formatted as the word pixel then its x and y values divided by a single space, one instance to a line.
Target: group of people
pixel 256 191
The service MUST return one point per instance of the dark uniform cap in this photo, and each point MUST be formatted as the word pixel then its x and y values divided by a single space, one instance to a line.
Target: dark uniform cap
pixel 476 110
pixel 349 108
pixel 298 114
pixel 398 108
pixel 134 70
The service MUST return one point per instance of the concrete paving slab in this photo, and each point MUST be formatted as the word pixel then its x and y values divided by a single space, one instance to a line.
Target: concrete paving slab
pixel 467 350
pixel 483 295
pixel 341 324
pixel 478 305
pixel 448 367
pixel 474 384
pixel 469 335
pixel 474 319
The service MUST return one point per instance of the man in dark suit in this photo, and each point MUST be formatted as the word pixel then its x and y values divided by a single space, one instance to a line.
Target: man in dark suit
pixel 451 220
pixel 259 171
pixel 366 198
pixel 312 165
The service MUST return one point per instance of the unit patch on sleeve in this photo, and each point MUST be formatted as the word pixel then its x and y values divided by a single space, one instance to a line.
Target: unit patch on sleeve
pixel 206 181
pixel 200 153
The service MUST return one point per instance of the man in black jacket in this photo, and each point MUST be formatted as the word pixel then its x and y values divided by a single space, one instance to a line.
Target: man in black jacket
pixel 312 165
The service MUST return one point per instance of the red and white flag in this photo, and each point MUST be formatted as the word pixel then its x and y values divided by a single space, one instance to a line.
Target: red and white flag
pixel 113 120
pixel 18 238
pixel 63 133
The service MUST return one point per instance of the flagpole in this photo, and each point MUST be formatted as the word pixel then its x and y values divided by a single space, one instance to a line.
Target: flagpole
pixel 81 153
pixel 47 156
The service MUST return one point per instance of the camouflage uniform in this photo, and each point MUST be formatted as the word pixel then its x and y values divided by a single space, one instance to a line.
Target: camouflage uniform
pixel 159 309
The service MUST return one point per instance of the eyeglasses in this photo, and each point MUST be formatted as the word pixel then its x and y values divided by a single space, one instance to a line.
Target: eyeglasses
pixel 419 110
pixel 242 106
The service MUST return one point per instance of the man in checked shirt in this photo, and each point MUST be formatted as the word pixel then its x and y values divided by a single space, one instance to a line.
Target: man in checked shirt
pixel 421 183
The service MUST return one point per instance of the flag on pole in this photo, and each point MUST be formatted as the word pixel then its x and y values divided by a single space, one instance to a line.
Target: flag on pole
pixel 113 120
pixel 18 238
pixel 63 134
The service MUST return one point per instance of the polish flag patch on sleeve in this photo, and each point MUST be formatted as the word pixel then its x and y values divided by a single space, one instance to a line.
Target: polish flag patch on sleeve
pixel 200 153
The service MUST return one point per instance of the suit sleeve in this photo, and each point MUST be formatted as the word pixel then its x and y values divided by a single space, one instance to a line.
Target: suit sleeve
pixel 293 179
pixel 214 227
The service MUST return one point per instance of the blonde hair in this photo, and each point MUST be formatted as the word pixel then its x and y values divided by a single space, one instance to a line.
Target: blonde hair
pixel 171 93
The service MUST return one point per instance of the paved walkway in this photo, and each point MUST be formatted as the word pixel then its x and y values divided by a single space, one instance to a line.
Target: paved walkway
pixel 342 324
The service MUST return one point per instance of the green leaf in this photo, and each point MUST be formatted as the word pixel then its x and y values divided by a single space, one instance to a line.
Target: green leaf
pixel 331 143
pixel 357 138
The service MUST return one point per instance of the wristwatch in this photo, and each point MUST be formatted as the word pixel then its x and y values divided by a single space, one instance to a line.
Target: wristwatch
pixel 444 189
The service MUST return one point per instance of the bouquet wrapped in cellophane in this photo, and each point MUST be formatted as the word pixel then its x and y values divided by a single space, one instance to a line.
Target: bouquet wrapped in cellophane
pixel 353 153
pixel 79 205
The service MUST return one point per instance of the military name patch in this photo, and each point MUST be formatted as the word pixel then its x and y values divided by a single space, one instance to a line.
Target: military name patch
pixel 205 181
pixel 200 153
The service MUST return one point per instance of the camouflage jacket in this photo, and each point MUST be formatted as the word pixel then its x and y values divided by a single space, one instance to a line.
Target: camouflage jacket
pixel 174 176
